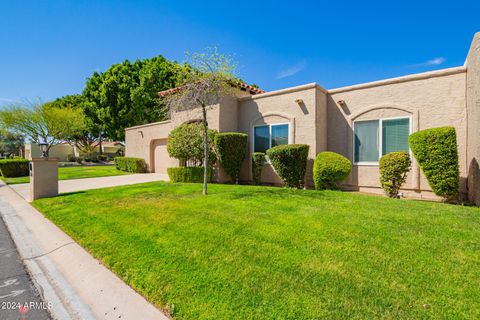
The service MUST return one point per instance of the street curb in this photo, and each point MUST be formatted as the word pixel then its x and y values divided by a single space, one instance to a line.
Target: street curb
pixel 50 283
pixel 66 275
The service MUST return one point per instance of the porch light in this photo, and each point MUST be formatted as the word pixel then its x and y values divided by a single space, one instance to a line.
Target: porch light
pixel 43 149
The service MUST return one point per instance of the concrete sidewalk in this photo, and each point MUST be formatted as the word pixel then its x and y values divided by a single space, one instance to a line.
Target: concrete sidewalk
pixel 76 285
pixel 73 185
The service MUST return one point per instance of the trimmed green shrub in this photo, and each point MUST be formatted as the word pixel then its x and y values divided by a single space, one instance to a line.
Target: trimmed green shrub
pixel 188 174
pixel 436 153
pixel 185 143
pixel 329 169
pixel 394 167
pixel 231 148
pixel 10 168
pixel 258 161
pixel 290 163
pixel 71 158
pixel 129 164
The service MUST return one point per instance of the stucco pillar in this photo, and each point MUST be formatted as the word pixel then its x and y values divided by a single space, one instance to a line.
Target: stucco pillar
pixel 43 178
pixel 473 120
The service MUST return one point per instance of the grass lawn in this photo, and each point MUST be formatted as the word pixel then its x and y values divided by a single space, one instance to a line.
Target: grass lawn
pixel 247 252
pixel 78 172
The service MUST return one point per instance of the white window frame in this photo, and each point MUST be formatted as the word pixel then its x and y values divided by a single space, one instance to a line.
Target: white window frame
pixel 270 132
pixel 379 140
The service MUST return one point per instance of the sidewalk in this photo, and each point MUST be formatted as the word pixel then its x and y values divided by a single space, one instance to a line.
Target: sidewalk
pixel 73 185
pixel 77 285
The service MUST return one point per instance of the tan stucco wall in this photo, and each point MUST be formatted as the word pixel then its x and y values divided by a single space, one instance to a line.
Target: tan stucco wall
pixel 473 110
pixel 282 108
pixel 60 151
pixel 432 100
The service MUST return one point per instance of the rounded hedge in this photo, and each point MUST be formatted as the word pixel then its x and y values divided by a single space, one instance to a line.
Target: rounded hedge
pixel 231 149
pixel 10 168
pixel 188 174
pixel 130 164
pixel 258 161
pixel 394 167
pixel 436 153
pixel 290 163
pixel 329 169
pixel 186 144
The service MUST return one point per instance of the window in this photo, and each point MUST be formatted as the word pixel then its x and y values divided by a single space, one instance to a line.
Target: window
pixel 375 138
pixel 268 136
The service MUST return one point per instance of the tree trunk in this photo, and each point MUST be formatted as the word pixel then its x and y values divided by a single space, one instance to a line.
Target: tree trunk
pixel 205 152
pixel 100 143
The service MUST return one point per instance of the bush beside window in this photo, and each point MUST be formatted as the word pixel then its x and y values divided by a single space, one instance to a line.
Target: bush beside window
pixel 188 174
pixel 129 164
pixel 394 167
pixel 10 168
pixel 231 148
pixel 329 169
pixel 290 163
pixel 258 161
pixel 436 153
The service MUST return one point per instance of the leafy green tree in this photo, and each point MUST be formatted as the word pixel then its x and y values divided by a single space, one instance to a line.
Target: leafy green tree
pixel 90 136
pixel 11 143
pixel 127 94
pixel 43 123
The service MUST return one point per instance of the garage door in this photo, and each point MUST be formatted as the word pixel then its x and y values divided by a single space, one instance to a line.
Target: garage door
pixel 161 160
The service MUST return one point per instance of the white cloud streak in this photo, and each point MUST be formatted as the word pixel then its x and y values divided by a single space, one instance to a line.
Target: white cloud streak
pixel 432 62
pixel 292 70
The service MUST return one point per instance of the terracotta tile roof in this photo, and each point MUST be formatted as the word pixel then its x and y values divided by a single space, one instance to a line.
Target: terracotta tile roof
pixel 243 86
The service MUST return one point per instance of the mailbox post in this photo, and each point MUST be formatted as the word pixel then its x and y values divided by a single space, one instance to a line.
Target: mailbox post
pixel 43 178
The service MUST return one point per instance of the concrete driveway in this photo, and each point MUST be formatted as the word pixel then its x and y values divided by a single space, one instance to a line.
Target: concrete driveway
pixel 23 189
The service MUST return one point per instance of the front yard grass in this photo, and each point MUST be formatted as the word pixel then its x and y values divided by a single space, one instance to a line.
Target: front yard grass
pixel 246 252
pixel 77 172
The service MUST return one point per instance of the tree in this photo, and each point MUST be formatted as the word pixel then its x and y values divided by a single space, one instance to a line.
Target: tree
pixel 210 78
pixel 11 143
pixel 127 94
pixel 86 139
pixel 43 123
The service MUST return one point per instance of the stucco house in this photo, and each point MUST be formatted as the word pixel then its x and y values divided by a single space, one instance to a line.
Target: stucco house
pixel 361 122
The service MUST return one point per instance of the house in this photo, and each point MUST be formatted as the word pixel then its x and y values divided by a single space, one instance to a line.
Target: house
pixel 361 122
pixel 63 150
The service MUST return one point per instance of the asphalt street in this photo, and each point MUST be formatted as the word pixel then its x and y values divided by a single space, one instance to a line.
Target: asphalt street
pixel 19 299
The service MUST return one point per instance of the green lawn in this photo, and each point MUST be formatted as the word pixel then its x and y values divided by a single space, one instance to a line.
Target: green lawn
pixel 77 172
pixel 246 252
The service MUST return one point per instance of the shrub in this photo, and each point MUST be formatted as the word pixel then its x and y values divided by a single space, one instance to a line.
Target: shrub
pixel 329 169
pixel 258 161
pixel 10 168
pixel 231 149
pixel 102 157
pixel 79 160
pixel 129 164
pixel 71 158
pixel 394 167
pixel 290 163
pixel 185 143
pixel 436 153
pixel 188 174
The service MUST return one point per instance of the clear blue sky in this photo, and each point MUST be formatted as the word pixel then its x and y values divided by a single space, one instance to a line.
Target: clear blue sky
pixel 49 48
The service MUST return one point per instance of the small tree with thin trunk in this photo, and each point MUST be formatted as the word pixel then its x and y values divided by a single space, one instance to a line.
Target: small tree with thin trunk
pixel 209 79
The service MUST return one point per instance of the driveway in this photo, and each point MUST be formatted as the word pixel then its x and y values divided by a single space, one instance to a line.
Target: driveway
pixel 73 185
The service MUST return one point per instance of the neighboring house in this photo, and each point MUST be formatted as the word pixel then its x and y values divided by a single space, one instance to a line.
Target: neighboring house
pixel 361 122
pixel 60 151
pixel 64 149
